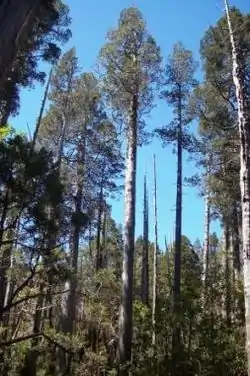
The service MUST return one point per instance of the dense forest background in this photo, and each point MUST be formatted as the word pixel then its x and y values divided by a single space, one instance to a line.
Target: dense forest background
pixel 79 293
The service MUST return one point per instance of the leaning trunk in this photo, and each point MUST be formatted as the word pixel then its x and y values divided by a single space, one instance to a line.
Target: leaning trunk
pixel 39 120
pixel 16 19
pixel 244 134
pixel 125 338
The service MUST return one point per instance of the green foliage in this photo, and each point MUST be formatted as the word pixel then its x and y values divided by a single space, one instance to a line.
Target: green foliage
pixel 132 64
pixel 5 131
pixel 80 146
pixel 42 44
pixel 177 86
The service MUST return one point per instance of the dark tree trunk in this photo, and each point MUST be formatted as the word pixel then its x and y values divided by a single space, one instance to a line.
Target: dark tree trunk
pixel 176 339
pixel 99 230
pixel 104 256
pixel 16 19
pixel 228 299
pixel 5 114
pixel 30 361
pixel 178 226
pixel 77 225
pixel 237 262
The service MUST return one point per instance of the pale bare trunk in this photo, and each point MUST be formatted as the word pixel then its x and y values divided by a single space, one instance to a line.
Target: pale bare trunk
pixel 64 124
pixel 155 257
pixel 126 322
pixel 145 272
pixel 39 120
pixel 244 134
pixel 9 281
pixel 5 256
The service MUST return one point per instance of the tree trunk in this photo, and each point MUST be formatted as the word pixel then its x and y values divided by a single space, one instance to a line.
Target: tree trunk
pixel 16 19
pixel 168 269
pixel 5 256
pixel 125 322
pixel 65 319
pixel 244 134
pixel 155 258
pixel 77 225
pixel 99 229
pixel 39 120
pixel 64 121
pixel 178 231
pixel 206 247
pixel 30 361
pixel 104 255
pixel 5 111
pixel 90 241
pixel 237 263
pixel 145 272
pixel 69 301
pixel 227 270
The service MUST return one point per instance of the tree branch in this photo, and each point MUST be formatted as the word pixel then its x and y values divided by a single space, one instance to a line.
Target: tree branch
pixel 35 335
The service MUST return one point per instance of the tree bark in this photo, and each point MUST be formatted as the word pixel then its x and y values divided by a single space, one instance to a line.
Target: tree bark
pixel 125 322
pixel 206 247
pixel 69 301
pixel 5 256
pixel 39 120
pixel 104 256
pixel 145 272
pixel 168 248
pixel 178 233
pixel 237 262
pixel 76 229
pixel 99 229
pixel 16 19
pixel 244 134
pixel 227 270
pixel 30 361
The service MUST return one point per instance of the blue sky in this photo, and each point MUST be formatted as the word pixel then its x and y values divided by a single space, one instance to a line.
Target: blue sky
pixel 168 21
